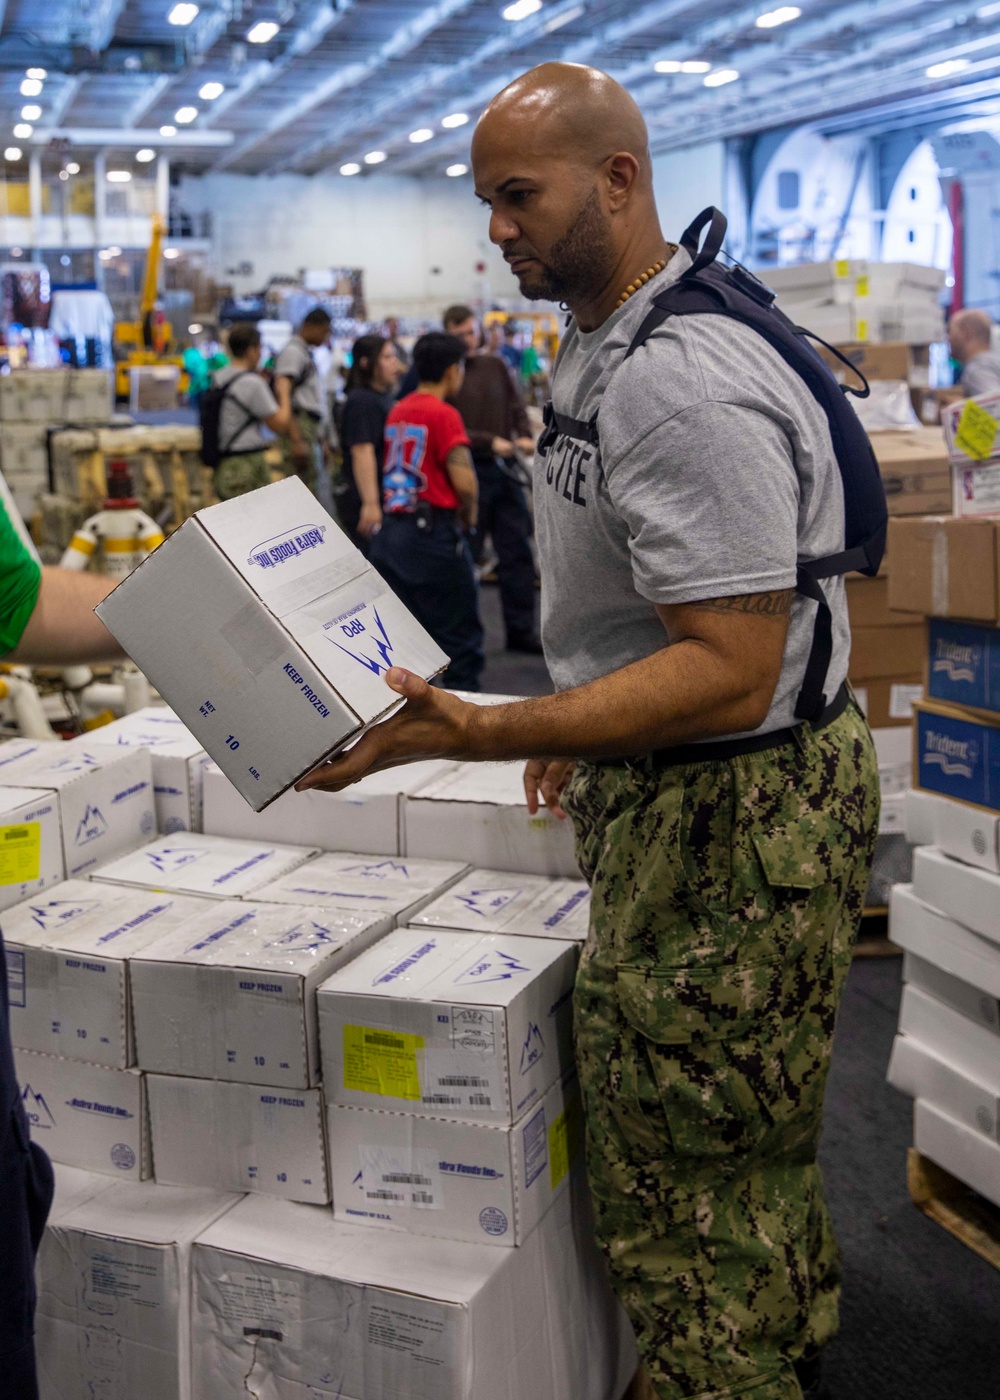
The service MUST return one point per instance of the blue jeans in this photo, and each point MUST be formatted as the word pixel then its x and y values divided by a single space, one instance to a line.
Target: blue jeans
pixel 431 571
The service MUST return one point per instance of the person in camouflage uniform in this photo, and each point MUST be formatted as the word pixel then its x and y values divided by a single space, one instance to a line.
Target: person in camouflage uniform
pixel 235 476
pixel 246 406
pixel 727 842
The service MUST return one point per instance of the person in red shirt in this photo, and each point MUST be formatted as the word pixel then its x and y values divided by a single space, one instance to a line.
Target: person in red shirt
pixel 429 502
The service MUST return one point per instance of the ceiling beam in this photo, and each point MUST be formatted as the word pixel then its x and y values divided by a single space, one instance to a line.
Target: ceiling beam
pixel 118 136
pixel 150 96
pixel 402 42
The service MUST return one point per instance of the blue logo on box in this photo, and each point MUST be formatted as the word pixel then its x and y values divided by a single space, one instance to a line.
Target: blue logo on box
pixel 964 663
pixel 959 757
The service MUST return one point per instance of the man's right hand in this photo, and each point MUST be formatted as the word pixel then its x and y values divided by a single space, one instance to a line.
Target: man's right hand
pixel 544 782
pixel 370 520
pixel 503 447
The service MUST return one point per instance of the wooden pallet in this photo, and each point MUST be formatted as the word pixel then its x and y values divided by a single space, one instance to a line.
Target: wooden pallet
pixel 873 936
pixel 962 1211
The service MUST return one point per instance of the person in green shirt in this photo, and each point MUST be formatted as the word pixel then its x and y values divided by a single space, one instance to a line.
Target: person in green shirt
pixel 46 618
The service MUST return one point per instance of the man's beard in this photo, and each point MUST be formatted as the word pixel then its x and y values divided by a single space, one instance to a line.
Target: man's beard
pixel 578 263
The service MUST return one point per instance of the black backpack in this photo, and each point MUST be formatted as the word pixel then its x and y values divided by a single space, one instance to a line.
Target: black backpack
pixel 209 410
pixel 708 288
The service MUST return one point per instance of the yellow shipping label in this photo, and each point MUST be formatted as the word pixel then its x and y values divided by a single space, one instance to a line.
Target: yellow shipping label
pixel 382 1062
pixel 862 331
pixel 861 287
pixel 842 267
pixel 20 853
pixel 564 1142
pixel 976 431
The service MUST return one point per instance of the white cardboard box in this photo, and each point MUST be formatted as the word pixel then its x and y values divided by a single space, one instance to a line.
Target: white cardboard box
pixel 412 1318
pixel 178 759
pixel 917 1071
pixel 13 750
pixel 451 1025
pixel 920 808
pixel 981 1007
pixel 105 798
pixel 478 814
pixel 67 960
pixel 114 1291
pixel 210 866
pixel 31 850
pixel 239 1137
pixel 397 888
pixel 268 633
pixel 364 817
pixel 968 833
pixel 936 939
pixel 232 993
pixel 964 1043
pixel 493 901
pixel 961 1150
pixel 87 1115
pixel 461 1181
pixel 967 894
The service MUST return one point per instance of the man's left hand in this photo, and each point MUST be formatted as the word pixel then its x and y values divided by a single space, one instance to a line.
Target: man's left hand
pixel 432 724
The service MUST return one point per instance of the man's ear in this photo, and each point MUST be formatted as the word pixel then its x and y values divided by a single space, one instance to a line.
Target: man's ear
pixel 621 173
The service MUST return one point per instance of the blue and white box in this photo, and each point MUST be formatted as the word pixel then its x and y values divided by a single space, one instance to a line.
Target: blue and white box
pixel 963 661
pixel 269 634
pixel 495 901
pixel 86 1115
pixel 193 863
pixel 105 798
pixel 68 952
pixel 239 1137
pixel 178 759
pixel 449 1025
pixel 231 994
pixel 481 1182
pixel 396 888
pixel 31 848
pixel 957 755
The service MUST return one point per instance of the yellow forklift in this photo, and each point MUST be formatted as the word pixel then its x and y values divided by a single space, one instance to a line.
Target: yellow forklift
pixel 148 340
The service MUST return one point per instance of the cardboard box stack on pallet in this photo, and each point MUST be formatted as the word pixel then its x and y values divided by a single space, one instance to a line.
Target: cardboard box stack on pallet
pixel 32 403
pixel 947 1052
pixel 854 300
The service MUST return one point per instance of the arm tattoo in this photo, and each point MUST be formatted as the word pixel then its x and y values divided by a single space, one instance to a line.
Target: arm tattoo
pixel 754 604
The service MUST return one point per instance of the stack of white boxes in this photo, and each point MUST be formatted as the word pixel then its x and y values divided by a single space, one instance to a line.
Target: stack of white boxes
pixel 178 759
pixel 854 300
pixel 32 401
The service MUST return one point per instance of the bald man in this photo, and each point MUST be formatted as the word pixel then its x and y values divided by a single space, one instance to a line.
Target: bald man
pixel 969 337
pixel 727 845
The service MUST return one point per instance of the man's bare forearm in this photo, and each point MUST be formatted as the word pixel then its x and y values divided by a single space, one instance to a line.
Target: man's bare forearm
pixel 683 693
pixel 62 630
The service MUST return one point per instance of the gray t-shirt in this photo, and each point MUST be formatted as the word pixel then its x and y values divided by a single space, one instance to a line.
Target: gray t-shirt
pixel 715 474
pixel 982 374
pixel 249 395
pixel 296 363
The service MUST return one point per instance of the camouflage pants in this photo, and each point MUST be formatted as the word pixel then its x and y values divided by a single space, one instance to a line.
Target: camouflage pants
pixel 235 476
pixel 309 428
pixel 726 897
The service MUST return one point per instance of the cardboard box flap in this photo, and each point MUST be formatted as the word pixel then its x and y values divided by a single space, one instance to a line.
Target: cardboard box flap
pixel 57 912
pixel 57 766
pixel 147 1212
pixel 501 783
pixel 496 901
pixel 155 728
pixel 265 937
pixel 194 863
pixel 486 969
pixel 117 928
pixel 301 556
pixel 387 885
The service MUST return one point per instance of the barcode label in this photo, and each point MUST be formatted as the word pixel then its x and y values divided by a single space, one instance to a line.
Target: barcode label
pixel 402 1178
pixel 440 1098
pixel 480 1100
pixel 463 1081
pixel 407 1179
pixel 393 1042
pixel 382 1195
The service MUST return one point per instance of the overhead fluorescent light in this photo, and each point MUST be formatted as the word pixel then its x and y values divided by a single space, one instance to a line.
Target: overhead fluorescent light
pixel 115 251
pixel 263 31
pixel 182 13
pixel 39 74
pixel 31 87
pixel 721 77
pixel 567 17
pixel 351 168
pixel 375 157
pixel 210 91
pixel 184 115
pixel 12 153
pixel 194 328
pixel 695 65
pixel 72 168
pixel 668 65
pixel 948 67
pixel 455 119
pixel 455 170
pixel 988 11
pixel 171 253
pixel 30 112
pixel 23 130
pixel 782 15
pixel 64 175
pixel 423 134
pixel 521 9
pixel 168 131
pixel 145 155
pixel 118 177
